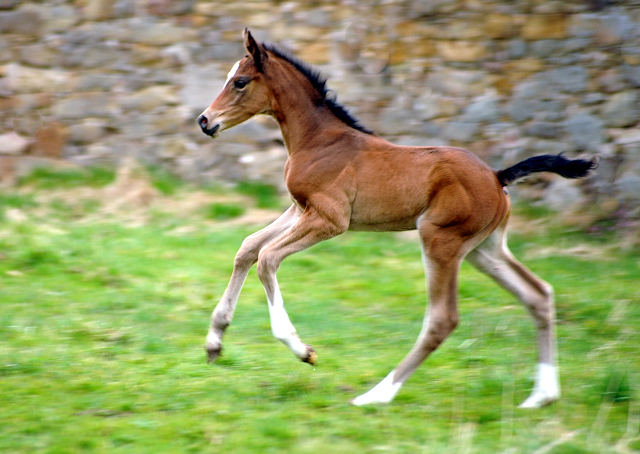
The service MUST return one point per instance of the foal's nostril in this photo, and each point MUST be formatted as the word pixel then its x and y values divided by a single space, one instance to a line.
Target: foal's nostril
pixel 202 121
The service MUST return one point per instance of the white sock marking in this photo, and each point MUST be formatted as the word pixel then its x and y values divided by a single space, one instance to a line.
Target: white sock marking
pixel 281 326
pixel 232 72
pixel 546 388
pixel 382 393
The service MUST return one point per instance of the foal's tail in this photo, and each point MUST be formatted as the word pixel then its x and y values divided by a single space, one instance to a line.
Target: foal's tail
pixel 568 168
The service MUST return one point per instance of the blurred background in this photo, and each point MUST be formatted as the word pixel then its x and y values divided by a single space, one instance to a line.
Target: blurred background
pixel 91 82
pixel 119 221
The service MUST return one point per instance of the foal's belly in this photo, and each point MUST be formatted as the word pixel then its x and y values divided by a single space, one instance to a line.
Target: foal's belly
pixel 383 227
pixel 385 219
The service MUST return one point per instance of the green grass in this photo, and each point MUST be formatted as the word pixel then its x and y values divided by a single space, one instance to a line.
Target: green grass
pixel 266 195
pixel 222 211
pixel 164 181
pixel 102 329
pixel 48 178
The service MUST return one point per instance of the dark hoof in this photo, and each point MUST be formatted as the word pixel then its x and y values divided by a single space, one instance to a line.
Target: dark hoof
pixel 212 352
pixel 312 356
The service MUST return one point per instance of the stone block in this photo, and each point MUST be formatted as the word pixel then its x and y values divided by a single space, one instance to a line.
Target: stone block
pixel 419 48
pixel 39 55
pixel 516 48
pixel 148 99
pixel 503 84
pixel 50 140
pixel 397 120
pixel 586 131
pixel 96 10
pixel 614 27
pixel 464 30
pixel 427 107
pixel 570 79
pixel 23 79
pixel 85 105
pixel 626 136
pixel 631 75
pixel 157 33
pixel 421 8
pixel 13 144
pixel 521 109
pixel 611 81
pixel 87 131
pixel 26 20
pixel 316 53
pixel 462 51
pixel 574 45
pixel 484 109
pixel 455 82
pixel 622 110
pixel 545 146
pixel 545 26
pixel 500 26
pixel 543 129
pixel 9 4
pixel 544 48
pixel 430 106
pixel 59 18
pixel 526 65
pixel 628 188
pixel 593 98
pixel 460 131
pixel 200 85
pixel 533 87
pixel 96 56
pixel 564 195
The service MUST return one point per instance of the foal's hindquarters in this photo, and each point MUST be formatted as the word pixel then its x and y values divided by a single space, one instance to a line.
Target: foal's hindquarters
pixel 493 258
pixel 467 219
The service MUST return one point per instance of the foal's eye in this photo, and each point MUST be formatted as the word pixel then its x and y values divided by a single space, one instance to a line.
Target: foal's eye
pixel 240 83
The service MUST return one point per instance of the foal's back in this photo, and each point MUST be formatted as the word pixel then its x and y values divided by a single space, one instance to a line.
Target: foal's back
pixel 397 185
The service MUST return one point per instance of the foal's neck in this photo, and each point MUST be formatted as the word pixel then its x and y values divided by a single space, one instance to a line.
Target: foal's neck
pixel 304 118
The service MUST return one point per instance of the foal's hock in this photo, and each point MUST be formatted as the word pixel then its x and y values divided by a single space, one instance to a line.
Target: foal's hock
pixel 341 176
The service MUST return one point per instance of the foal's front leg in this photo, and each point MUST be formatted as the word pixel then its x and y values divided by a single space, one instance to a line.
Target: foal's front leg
pixel 245 258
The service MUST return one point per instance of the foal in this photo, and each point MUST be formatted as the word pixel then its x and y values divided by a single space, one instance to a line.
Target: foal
pixel 342 177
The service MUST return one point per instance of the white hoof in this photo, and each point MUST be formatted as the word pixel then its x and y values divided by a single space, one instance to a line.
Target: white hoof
pixel 382 393
pixel 546 388
pixel 538 400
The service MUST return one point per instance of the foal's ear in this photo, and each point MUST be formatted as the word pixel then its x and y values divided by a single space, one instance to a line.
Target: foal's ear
pixel 254 49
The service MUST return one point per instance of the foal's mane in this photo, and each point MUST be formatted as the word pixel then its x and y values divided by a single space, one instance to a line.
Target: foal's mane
pixel 319 81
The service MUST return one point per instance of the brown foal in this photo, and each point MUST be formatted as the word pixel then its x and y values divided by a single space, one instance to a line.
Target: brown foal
pixel 343 177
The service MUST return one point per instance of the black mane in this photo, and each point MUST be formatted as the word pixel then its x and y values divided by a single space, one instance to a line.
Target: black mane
pixel 319 83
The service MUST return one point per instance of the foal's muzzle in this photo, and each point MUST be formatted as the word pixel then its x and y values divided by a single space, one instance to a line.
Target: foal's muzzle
pixel 204 125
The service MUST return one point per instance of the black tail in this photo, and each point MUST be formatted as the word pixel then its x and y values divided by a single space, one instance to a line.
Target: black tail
pixel 568 168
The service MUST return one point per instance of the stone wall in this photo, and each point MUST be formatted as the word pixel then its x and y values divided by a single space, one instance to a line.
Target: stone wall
pixel 92 81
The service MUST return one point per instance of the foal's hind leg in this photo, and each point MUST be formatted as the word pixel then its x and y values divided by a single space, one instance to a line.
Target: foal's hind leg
pixel 443 251
pixel 494 258
pixel 245 258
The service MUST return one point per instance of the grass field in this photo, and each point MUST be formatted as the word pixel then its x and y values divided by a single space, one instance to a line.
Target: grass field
pixel 104 307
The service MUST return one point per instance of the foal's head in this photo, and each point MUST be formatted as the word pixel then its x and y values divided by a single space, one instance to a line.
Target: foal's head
pixel 244 95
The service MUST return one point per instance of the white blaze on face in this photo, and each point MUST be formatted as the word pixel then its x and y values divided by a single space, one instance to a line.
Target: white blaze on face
pixel 232 73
